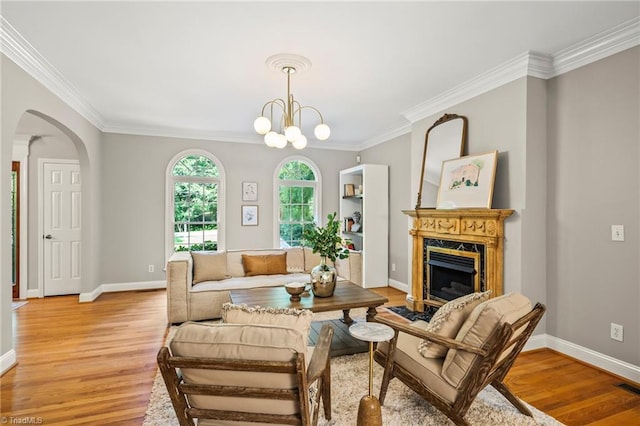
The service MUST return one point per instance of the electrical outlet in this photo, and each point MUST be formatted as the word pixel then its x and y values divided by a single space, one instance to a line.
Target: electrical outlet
pixel 393 267
pixel 152 268
pixel 617 332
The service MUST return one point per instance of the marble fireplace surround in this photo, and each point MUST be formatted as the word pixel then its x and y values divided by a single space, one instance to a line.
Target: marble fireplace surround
pixel 461 229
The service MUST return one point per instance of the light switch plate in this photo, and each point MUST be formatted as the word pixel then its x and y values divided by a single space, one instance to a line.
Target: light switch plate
pixel 617 232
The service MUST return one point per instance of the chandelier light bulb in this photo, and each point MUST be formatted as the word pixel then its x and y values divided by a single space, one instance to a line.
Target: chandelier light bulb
pixel 262 125
pixel 300 142
pixel 281 141
pixel 322 131
pixel 271 139
pixel 292 133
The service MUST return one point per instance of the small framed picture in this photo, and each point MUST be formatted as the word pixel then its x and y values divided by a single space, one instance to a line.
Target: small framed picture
pixel 249 191
pixel 249 215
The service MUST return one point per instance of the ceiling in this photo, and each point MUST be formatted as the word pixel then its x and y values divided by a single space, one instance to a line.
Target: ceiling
pixel 197 69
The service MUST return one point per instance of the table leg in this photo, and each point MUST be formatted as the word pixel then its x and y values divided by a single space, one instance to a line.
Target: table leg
pixel 369 411
pixel 346 318
pixel 371 312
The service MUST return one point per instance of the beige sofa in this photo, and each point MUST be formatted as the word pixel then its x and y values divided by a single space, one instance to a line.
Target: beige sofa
pixel 198 287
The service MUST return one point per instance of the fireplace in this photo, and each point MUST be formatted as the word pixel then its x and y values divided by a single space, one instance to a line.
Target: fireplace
pixel 455 252
pixel 450 273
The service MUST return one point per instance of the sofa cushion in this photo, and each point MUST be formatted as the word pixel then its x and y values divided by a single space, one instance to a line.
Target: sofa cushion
pixel 267 264
pixel 239 342
pixel 447 322
pixel 480 324
pixel 295 259
pixel 209 266
pixel 234 259
pixel 298 319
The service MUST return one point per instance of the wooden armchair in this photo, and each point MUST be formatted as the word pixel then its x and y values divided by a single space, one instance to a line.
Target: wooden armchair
pixel 234 374
pixel 481 354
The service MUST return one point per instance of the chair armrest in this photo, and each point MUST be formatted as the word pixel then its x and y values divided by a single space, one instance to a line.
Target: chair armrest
pixel 441 340
pixel 320 357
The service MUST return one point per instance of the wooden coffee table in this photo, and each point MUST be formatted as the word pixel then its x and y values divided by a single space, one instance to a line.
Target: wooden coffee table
pixel 347 296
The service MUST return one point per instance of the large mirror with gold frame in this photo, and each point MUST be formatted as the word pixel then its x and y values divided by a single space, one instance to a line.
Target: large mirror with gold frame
pixel 444 140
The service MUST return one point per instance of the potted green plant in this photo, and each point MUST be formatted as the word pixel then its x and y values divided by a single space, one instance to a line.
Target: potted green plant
pixel 327 242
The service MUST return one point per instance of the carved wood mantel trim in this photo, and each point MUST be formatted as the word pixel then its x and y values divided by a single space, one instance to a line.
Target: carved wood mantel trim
pixel 482 226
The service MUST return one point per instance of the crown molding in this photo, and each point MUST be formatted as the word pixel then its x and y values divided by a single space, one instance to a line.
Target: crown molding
pixel 528 63
pixel 20 51
pixel 606 43
pixel 385 137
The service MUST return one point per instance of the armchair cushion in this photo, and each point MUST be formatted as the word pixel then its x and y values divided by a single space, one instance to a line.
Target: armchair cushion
pixel 298 319
pixel 447 322
pixel 239 342
pixel 428 370
pixel 267 264
pixel 482 321
pixel 210 266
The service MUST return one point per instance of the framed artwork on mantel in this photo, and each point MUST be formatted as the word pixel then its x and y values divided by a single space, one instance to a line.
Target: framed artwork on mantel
pixel 249 191
pixel 467 182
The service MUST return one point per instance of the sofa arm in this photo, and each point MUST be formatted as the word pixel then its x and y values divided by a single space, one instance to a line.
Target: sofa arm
pixel 179 281
pixel 351 267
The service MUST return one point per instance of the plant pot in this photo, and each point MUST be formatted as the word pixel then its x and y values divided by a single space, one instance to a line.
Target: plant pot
pixel 323 279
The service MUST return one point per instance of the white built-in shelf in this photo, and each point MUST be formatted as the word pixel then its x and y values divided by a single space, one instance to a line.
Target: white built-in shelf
pixel 373 205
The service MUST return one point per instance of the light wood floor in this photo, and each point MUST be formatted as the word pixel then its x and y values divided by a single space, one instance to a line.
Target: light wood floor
pixel 94 363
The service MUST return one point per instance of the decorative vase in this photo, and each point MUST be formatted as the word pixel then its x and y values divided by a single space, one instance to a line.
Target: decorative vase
pixel 323 279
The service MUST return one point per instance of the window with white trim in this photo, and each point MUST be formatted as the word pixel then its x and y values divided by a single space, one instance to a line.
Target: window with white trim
pixel 195 200
pixel 298 186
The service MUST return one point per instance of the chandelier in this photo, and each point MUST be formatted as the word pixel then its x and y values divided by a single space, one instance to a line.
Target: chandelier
pixel 290 110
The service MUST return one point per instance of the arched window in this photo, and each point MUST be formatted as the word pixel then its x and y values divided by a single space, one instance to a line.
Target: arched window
pixel 195 201
pixel 298 199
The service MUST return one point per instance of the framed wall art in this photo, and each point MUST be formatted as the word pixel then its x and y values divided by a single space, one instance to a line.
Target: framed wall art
pixel 249 191
pixel 249 215
pixel 467 182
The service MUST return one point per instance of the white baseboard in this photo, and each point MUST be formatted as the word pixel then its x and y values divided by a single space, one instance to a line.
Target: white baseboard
pixel 7 360
pixel 33 293
pixel 399 285
pixel 113 287
pixel 586 355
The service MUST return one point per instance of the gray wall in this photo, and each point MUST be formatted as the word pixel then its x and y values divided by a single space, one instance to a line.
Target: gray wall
pixel 21 94
pixel 396 154
pixel 134 189
pixel 594 182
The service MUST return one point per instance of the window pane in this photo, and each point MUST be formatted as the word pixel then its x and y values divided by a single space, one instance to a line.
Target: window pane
pixel 195 165
pixel 285 196
pixel 296 213
pixel 296 170
pixel 307 195
pixel 296 195
pixel 307 213
pixel 285 213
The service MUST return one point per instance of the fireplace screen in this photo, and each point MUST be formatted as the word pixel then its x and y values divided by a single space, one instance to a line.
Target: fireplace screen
pixel 451 273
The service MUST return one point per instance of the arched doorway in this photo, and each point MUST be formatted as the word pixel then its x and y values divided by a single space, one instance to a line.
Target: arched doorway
pixel 47 262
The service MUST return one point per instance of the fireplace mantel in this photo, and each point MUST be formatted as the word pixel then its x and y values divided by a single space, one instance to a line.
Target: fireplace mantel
pixel 475 226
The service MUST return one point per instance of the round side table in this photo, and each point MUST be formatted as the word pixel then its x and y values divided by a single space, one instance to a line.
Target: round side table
pixel 369 411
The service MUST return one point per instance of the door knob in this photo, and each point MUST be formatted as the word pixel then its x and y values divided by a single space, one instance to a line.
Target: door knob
pixel 48 237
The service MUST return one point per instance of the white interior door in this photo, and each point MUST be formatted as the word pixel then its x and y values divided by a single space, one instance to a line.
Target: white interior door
pixel 62 228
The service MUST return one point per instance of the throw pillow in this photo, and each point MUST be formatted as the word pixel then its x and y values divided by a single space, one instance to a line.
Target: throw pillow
pixel 209 266
pixel 298 319
pixel 266 264
pixel 447 322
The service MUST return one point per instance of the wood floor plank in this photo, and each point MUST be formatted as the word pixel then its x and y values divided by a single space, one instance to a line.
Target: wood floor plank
pixel 94 363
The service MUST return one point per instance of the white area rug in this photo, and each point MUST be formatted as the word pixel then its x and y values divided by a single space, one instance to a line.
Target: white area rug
pixel 350 375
